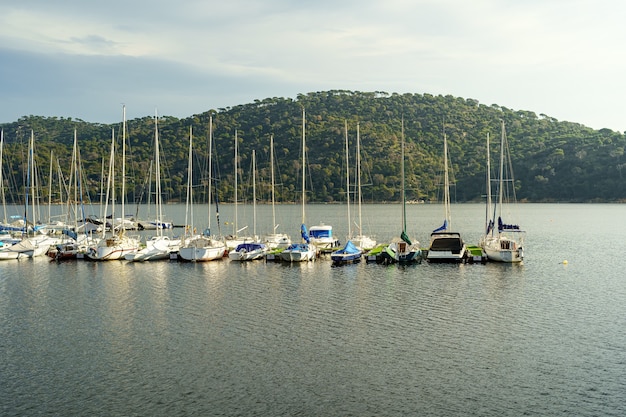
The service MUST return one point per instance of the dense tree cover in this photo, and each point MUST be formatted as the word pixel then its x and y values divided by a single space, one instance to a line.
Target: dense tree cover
pixel 553 160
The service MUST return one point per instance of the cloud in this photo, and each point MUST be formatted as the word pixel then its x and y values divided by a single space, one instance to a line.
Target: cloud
pixel 75 59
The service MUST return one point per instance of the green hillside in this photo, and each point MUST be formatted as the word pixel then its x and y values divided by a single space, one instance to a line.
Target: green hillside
pixel 552 160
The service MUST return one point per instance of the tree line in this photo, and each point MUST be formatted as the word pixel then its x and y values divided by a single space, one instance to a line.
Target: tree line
pixel 553 161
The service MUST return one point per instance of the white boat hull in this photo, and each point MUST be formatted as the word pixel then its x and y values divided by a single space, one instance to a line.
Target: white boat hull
pixel 305 254
pixel 201 249
pixel 157 248
pixel 113 248
pixel 503 250
pixel 278 240
pixel 364 242
pixel 246 256
pixel 446 247
pixel 28 248
pixel 402 252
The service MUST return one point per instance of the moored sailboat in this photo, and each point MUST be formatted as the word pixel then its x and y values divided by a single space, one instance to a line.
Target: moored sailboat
pixel 305 251
pixel 198 247
pixel 275 240
pixel 502 242
pixel 361 240
pixel 159 246
pixel 249 251
pixel 350 253
pixel 401 249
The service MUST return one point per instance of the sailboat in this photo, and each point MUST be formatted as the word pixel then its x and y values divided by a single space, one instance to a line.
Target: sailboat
pixel 117 244
pixel 159 246
pixel 445 245
pixel 506 243
pixel 349 253
pixel 275 240
pixel 250 251
pixel 361 241
pixel 233 240
pixel 304 251
pixel 198 247
pixel 401 249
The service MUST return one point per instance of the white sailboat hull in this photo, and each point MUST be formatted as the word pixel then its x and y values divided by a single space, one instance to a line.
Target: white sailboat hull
pixel 28 248
pixel 201 249
pixel 113 248
pixel 402 252
pixel 277 240
pixel 364 242
pixel 158 248
pixel 503 249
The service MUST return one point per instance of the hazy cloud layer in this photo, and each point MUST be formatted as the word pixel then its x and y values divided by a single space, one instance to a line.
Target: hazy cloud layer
pixel 82 59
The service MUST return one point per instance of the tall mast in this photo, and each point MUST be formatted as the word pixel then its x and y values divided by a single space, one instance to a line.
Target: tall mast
pixel 75 181
pixel 123 166
pixel 402 181
pixel 348 182
pixel 210 173
pixel 254 192
pixel 272 171
pixel 236 226
pixel 29 180
pixel 488 209
pixel 358 173
pixel 189 208
pixel 446 182
pixel 50 187
pixel 157 158
pixel 501 181
pixel 303 165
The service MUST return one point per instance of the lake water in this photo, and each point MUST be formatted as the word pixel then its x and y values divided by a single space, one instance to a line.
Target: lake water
pixel 167 338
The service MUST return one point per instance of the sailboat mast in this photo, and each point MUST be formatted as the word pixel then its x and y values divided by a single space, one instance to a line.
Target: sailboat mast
pixel 189 208
pixel 446 182
pixel 348 182
pixel 50 187
pixel 303 165
pixel 501 179
pixel 157 158
pixel 402 181
pixel 29 180
pixel 272 172
pixel 235 201
pixel 74 181
pixel 358 174
pixel 110 187
pixel 210 173
pixel 123 227
pixel 488 207
pixel 72 195
pixel 254 192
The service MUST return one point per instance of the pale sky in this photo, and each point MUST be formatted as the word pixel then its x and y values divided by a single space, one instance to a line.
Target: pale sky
pixel 83 59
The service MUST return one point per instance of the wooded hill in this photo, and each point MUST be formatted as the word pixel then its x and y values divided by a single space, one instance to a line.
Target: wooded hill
pixel 553 160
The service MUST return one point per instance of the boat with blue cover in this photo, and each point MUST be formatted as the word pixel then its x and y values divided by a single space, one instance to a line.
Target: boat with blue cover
pixel 346 255
pixel 248 251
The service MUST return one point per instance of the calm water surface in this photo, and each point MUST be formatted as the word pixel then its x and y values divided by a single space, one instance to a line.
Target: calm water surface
pixel 167 338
